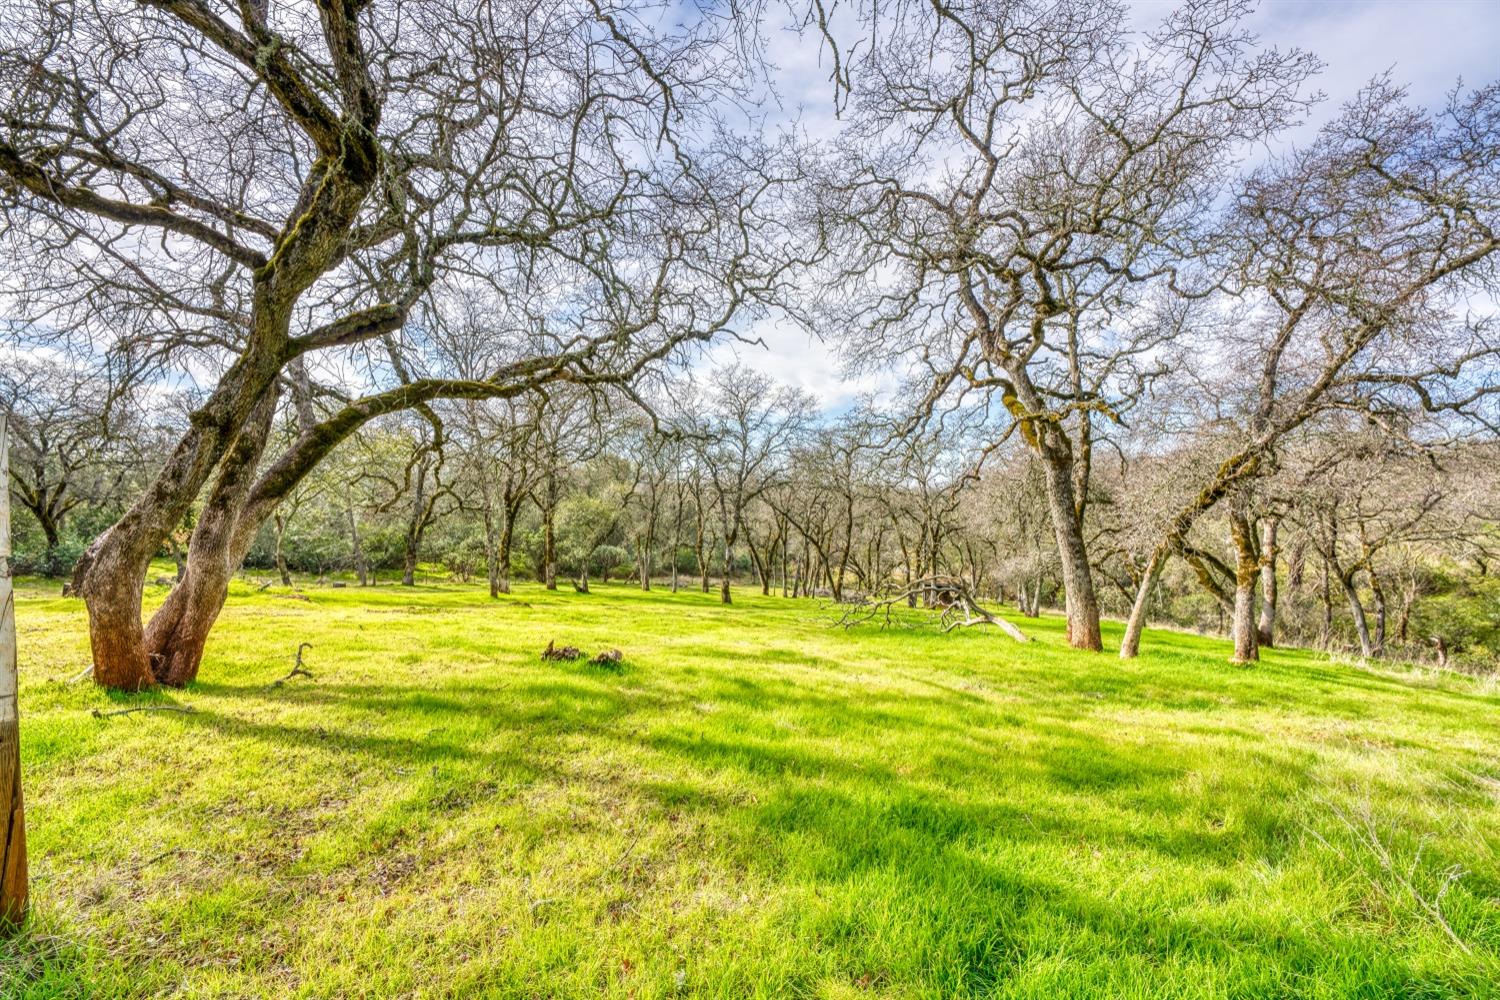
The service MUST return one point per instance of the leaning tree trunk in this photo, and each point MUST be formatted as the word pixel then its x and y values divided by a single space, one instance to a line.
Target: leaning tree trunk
pixel 13 879
pixel 1080 600
pixel 1357 609
pixel 1130 646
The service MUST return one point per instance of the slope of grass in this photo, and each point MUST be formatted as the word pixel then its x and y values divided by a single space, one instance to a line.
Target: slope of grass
pixel 755 804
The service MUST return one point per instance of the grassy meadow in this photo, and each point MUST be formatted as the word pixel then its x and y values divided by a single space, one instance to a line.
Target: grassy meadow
pixel 755 803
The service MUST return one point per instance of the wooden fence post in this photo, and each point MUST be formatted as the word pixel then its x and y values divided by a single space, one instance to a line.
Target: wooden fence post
pixel 12 812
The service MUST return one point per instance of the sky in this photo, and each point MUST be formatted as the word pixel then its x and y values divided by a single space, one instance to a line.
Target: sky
pixel 1426 44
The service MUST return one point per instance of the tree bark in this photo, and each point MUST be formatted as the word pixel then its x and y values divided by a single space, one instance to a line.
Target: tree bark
pixel 648 550
pixel 1130 645
pixel 409 561
pixel 1357 609
pixel 1080 600
pixel 1377 593
pixel 281 567
pixel 507 534
pixel 361 566
pixel 1266 628
pixel 1246 576
pixel 13 875
pixel 175 638
pixel 676 544
pixel 549 536
pixel 491 551
pixel 1325 635
pixel 724 578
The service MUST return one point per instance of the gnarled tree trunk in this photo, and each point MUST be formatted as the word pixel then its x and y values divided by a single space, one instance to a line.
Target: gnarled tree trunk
pixel 178 632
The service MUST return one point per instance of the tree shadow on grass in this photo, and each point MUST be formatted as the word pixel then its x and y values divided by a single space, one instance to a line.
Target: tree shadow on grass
pixel 942 838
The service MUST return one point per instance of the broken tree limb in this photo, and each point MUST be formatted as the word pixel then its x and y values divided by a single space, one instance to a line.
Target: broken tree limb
pixel 298 670
pixel 959 607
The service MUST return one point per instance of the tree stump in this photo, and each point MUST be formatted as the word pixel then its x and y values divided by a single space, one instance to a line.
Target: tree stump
pixel 12 813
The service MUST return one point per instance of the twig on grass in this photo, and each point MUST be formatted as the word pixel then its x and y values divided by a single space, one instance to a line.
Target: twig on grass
pixel 298 670
pixel 184 709
pixel 1366 835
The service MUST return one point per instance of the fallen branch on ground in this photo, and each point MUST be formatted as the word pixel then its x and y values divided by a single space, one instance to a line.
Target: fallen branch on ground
pixel 298 670
pixel 960 608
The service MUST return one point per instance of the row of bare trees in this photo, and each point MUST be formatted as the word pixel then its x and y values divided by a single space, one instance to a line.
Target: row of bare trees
pixel 1046 219
pixel 1367 540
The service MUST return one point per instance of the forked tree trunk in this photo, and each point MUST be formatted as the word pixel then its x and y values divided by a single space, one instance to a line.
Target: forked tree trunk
pixel 175 638
pixel 13 876
pixel 111 575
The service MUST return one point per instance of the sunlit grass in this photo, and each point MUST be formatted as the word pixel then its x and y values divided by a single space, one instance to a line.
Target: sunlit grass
pixel 755 804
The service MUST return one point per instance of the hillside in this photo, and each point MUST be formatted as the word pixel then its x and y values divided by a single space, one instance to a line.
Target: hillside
pixel 755 803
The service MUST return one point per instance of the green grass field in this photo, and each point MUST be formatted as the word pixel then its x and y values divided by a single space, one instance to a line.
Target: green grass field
pixel 755 804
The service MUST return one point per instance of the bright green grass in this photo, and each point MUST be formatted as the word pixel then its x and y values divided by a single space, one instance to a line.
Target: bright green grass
pixel 758 804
